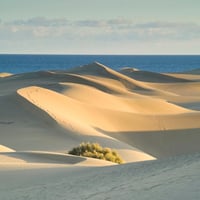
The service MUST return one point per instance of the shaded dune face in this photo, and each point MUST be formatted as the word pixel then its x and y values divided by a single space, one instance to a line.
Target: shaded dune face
pixel 152 77
pixel 143 115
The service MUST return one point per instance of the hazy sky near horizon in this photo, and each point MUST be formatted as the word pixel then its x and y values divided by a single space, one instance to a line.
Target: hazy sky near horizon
pixel 100 27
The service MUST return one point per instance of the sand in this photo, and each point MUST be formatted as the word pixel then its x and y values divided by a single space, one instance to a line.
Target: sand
pixel 4 74
pixel 151 119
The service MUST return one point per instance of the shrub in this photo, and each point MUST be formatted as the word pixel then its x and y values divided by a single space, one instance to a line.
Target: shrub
pixel 94 150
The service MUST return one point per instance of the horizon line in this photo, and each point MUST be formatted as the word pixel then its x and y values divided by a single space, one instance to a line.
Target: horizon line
pixel 84 54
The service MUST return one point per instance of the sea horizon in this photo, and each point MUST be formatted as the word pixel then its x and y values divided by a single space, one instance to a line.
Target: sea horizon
pixel 101 54
pixel 21 63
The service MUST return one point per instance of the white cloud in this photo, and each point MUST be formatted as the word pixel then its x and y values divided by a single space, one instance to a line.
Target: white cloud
pixel 114 32
pixel 168 30
pixel 40 21
pixel 116 28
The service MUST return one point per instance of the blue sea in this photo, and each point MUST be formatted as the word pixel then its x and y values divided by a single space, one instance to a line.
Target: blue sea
pixel 155 63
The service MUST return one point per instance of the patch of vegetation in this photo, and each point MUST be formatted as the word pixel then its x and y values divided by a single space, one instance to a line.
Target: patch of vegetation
pixel 94 150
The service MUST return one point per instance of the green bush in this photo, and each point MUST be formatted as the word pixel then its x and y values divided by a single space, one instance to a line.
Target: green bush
pixel 94 150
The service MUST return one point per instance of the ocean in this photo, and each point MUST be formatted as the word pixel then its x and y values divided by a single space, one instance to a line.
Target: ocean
pixel 155 63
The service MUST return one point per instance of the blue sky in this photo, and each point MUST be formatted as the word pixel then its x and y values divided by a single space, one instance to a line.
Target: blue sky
pixel 100 27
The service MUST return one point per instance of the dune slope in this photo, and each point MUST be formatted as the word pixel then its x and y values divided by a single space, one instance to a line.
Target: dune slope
pixel 175 178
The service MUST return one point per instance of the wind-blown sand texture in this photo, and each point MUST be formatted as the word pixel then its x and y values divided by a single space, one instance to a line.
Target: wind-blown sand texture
pixel 151 119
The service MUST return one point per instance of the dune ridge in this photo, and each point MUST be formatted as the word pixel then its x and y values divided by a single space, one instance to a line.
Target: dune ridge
pixel 4 74
pixel 146 76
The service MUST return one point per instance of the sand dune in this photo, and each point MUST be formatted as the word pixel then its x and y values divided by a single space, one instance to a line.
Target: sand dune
pixel 151 76
pixel 4 74
pixel 45 158
pixel 5 149
pixel 175 178
pixel 194 71
pixel 143 115
pixel 101 71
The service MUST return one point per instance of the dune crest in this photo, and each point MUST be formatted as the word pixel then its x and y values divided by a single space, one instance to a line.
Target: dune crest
pixel 150 76
pixel 5 74
pixel 5 149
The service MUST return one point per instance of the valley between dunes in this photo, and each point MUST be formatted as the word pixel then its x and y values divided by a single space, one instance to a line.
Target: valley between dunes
pixel 151 119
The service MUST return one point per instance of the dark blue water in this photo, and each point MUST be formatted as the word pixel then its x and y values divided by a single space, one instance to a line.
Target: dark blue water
pixel 157 63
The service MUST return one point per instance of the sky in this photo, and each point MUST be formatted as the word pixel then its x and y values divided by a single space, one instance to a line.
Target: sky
pixel 100 26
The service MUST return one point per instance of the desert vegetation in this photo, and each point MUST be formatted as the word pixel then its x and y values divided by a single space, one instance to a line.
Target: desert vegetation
pixel 94 150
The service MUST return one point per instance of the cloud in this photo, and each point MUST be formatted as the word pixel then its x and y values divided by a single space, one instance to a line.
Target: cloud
pixel 40 21
pixel 110 30
pixel 169 30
